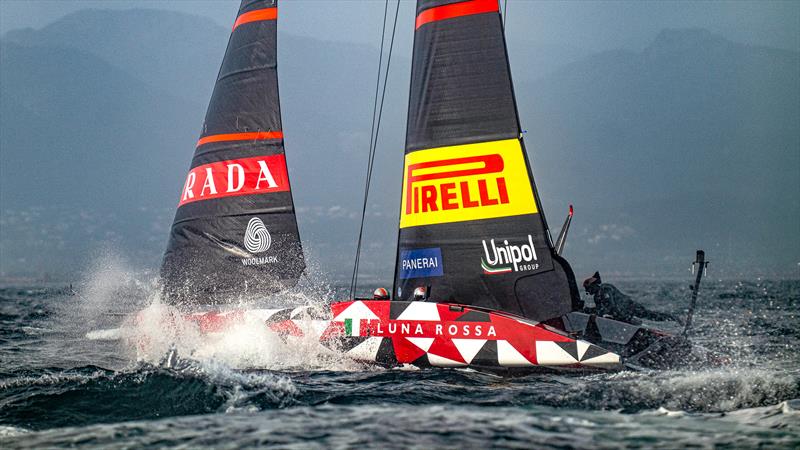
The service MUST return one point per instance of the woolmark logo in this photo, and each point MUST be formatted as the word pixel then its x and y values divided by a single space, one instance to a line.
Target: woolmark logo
pixel 508 258
pixel 256 238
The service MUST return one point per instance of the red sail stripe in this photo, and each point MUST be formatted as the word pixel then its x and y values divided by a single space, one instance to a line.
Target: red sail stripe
pixel 246 176
pixel 253 136
pixel 466 8
pixel 256 16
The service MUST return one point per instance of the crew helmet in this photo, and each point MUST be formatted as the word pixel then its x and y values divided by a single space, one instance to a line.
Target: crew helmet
pixel 592 282
pixel 380 294
pixel 420 293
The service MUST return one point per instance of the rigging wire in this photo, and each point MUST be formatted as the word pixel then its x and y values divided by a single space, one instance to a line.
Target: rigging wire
pixel 374 131
pixel 371 139
pixel 505 10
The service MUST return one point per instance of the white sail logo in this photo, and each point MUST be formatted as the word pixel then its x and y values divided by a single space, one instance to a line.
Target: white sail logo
pixel 257 238
pixel 508 258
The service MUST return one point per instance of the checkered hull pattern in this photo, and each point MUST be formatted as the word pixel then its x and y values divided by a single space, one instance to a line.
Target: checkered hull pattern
pixel 428 335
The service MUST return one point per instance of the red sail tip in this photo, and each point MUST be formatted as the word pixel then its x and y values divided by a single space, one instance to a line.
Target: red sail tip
pixel 256 16
pixel 465 8
pixel 254 136
pixel 570 210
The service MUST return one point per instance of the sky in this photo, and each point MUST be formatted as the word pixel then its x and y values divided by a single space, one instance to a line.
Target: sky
pixel 595 26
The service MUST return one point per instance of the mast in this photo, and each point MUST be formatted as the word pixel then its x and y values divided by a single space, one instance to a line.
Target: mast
pixel 235 231
pixel 471 224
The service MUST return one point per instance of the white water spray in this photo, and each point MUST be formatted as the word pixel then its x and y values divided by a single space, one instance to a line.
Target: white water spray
pixel 149 330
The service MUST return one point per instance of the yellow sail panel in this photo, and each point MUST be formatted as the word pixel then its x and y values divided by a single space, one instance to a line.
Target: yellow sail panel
pixel 465 182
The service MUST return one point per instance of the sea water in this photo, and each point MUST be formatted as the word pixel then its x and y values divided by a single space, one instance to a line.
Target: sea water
pixel 61 385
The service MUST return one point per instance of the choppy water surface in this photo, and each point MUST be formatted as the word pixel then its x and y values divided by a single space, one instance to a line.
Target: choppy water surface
pixel 58 388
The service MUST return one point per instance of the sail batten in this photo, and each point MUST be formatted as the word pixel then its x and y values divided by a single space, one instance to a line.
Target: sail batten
pixel 235 232
pixel 471 226
pixel 456 9
pixel 256 16
pixel 229 137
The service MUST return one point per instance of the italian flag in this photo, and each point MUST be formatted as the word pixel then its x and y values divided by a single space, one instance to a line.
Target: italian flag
pixel 352 327
pixel 492 270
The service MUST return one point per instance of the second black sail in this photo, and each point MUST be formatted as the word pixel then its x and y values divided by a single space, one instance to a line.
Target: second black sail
pixel 235 231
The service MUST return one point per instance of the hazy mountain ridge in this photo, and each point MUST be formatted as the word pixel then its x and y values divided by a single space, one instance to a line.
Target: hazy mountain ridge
pixel 318 80
pixel 149 44
pixel 692 142
pixel 692 104
pixel 98 131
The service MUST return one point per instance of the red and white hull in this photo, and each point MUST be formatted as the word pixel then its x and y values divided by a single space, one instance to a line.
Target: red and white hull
pixel 423 334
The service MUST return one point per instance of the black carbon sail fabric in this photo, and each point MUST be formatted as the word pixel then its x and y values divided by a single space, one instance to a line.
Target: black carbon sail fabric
pixel 471 225
pixel 235 232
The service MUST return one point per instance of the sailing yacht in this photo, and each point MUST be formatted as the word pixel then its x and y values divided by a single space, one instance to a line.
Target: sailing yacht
pixel 473 233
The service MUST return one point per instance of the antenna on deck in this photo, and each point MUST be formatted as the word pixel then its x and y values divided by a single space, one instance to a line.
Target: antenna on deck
pixel 699 268
pixel 562 236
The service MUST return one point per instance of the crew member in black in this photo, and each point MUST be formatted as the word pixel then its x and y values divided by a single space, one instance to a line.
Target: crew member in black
pixel 611 302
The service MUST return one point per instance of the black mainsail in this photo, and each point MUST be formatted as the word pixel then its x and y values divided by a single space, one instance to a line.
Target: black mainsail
pixel 235 230
pixel 471 224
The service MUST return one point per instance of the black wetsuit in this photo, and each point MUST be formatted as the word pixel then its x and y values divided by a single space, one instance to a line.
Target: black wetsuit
pixel 609 301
